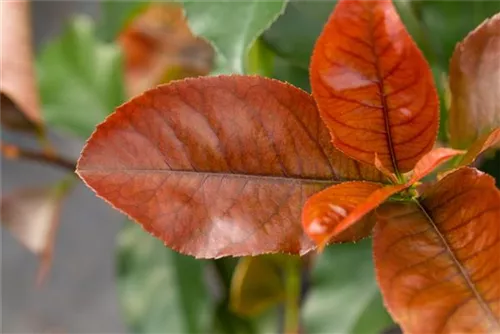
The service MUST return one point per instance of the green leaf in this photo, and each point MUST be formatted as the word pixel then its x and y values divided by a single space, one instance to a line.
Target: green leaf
pixel 160 290
pixel 232 27
pixel 115 15
pixel 445 23
pixel 80 79
pixel 344 296
pixel 294 34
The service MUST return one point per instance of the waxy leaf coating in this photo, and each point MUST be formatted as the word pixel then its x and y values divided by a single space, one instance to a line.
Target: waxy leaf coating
pixel 217 166
pixel 373 87
pixel 437 258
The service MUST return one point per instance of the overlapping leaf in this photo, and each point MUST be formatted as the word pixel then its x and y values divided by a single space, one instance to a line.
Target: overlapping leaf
pixel 373 87
pixel 481 145
pixel 216 166
pixel 475 84
pixel 232 37
pixel 437 258
pixel 334 214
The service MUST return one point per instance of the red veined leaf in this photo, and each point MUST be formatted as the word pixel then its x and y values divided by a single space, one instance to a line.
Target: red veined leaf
pixel 475 85
pixel 323 222
pixel 324 210
pixel 373 87
pixel 216 166
pixel 390 175
pixel 431 161
pixel 437 258
pixel 485 142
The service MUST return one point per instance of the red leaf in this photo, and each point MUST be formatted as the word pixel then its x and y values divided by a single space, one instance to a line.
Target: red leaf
pixel 437 258
pixel 216 166
pixel 325 210
pixel 374 89
pixel 482 144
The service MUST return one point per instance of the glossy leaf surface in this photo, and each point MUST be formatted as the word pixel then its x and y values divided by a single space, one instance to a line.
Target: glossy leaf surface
pixel 216 166
pixel 159 289
pixel 373 87
pixel 80 79
pixel 344 297
pixel 233 36
pixel 325 210
pixel 481 145
pixel 437 259
pixel 475 84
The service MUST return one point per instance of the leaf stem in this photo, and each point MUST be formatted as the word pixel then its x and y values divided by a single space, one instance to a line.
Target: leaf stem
pixel 14 152
pixel 292 298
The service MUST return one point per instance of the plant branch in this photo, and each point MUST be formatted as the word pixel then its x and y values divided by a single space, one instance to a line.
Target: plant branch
pixel 292 299
pixel 14 152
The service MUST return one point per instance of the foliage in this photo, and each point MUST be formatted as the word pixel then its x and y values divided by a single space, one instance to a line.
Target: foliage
pixel 80 79
pixel 232 165
pixel 374 91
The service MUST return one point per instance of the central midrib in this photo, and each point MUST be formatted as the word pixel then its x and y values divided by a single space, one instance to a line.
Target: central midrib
pixel 284 179
pixel 482 303
pixel 385 107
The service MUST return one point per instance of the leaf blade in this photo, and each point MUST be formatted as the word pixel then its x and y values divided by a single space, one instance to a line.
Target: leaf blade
pixel 432 256
pixel 236 157
pixel 245 20
pixel 474 71
pixel 373 86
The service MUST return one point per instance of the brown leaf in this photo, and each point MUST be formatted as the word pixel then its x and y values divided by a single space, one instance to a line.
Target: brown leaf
pixel 475 84
pixel 32 216
pixel 18 81
pixel 16 120
pixel 159 47
pixel 217 166
pixel 437 258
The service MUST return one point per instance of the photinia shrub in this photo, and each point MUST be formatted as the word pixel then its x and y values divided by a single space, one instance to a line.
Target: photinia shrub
pixel 244 165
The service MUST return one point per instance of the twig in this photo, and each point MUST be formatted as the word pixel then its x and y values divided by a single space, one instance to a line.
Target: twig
pixel 14 152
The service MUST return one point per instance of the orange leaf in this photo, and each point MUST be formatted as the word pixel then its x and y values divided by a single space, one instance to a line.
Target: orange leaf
pixel 374 89
pixel 326 209
pixel 430 161
pixel 217 166
pixel 437 258
pixel 324 224
pixel 475 84
pixel 484 143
